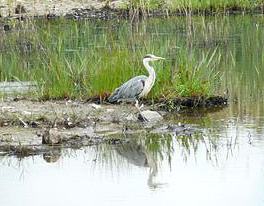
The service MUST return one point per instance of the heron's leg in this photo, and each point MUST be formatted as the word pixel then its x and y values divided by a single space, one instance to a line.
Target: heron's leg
pixel 137 105
pixel 140 113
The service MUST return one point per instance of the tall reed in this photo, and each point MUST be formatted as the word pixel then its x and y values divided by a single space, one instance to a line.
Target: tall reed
pixel 90 59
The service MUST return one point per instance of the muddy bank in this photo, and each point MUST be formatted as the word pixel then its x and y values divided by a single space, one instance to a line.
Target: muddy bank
pixel 64 8
pixel 55 7
pixel 189 102
pixel 33 127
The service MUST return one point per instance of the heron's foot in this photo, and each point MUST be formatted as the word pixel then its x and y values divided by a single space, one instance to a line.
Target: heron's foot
pixel 142 118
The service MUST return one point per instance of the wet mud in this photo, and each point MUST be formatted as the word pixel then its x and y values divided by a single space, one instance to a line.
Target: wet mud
pixel 34 127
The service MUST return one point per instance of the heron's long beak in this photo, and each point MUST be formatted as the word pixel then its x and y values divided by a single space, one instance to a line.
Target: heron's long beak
pixel 158 58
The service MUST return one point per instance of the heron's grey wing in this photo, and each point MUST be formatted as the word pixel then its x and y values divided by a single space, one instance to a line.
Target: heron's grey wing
pixel 132 88
pixel 129 90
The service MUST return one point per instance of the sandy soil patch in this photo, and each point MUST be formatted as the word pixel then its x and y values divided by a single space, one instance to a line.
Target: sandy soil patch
pixel 53 7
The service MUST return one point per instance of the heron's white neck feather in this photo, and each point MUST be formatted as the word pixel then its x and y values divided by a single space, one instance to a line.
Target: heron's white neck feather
pixel 150 80
pixel 150 69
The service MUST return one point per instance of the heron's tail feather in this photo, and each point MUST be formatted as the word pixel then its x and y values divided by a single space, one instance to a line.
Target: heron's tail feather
pixel 114 96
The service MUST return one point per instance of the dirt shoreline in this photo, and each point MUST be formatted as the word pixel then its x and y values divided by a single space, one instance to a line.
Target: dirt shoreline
pixel 94 9
pixel 34 127
pixel 54 7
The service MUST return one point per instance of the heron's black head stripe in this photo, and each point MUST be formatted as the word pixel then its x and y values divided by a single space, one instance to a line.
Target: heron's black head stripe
pixel 147 56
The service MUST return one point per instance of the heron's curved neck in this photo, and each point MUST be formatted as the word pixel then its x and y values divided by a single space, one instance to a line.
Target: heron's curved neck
pixel 150 69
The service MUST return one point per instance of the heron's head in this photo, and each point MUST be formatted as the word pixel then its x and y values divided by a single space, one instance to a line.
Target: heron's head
pixel 151 57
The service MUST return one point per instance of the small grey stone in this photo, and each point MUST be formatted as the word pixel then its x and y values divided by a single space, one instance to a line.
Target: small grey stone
pixel 150 116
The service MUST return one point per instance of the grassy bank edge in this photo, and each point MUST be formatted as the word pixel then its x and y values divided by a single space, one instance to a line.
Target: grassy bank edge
pixel 139 8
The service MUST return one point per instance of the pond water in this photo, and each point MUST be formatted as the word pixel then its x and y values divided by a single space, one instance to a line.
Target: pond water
pixel 223 165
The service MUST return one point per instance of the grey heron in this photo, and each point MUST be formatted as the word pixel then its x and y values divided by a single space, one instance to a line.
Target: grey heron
pixel 138 86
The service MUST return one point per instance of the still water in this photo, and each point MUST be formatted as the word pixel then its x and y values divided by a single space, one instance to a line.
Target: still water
pixel 223 165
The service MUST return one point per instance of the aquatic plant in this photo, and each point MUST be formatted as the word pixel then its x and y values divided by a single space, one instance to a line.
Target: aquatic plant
pixel 87 59
pixel 188 7
pixel 79 62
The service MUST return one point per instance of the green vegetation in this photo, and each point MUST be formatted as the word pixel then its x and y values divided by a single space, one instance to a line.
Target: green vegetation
pixel 90 59
pixel 204 56
pixel 199 6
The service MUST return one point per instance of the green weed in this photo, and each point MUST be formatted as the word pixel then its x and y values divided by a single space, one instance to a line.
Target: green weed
pixel 87 59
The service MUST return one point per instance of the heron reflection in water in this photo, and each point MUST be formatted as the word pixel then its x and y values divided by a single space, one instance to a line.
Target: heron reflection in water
pixel 138 86
pixel 136 153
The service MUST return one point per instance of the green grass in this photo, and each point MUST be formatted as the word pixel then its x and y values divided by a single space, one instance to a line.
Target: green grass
pixel 78 62
pixel 198 5
pixel 188 77
pixel 209 4
pixel 204 56
pixel 83 60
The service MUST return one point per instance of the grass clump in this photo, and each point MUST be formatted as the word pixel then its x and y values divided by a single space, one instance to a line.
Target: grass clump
pixel 77 62
pixel 188 76
pixel 197 6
